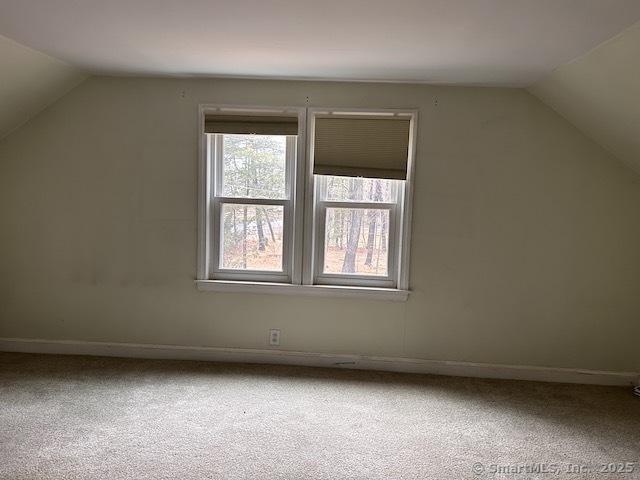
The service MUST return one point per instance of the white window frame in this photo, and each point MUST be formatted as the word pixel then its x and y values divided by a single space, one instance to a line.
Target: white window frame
pixel 304 217
pixel 216 148
pixel 320 206
pixel 399 213
pixel 211 200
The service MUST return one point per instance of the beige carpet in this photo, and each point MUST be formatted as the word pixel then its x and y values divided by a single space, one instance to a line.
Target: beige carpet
pixel 103 418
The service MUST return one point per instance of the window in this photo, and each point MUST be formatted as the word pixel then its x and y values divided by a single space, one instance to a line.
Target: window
pixel 355 231
pixel 326 211
pixel 252 205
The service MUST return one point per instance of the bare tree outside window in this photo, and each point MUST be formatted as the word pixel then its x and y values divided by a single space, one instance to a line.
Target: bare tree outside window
pixel 359 253
pixel 254 166
pixel 356 239
pixel 245 244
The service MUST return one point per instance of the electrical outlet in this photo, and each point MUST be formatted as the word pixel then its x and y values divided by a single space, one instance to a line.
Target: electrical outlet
pixel 274 336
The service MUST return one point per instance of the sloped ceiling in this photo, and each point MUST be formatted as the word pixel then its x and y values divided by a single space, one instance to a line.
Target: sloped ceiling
pixel 600 94
pixel 29 82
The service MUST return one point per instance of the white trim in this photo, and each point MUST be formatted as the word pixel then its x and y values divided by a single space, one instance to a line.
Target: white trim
pixel 231 286
pixel 357 362
pixel 297 198
pixel 407 205
pixel 309 243
pixel 202 267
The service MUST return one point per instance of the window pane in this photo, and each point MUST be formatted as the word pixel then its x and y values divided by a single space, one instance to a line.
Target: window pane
pixel 356 241
pixel 252 237
pixel 254 166
pixel 358 189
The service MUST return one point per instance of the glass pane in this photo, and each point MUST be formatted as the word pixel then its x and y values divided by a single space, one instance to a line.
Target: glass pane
pixel 358 189
pixel 356 241
pixel 252 237
pixel 254 166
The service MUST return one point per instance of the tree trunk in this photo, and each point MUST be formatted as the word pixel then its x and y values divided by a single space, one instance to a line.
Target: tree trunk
pixel 244 239
pixel 245 223
pixel 340 241
pixel 336 233
pixel 384 230
pixel 372 217
pixel 353 237
pixel 262 240
pixel 266 216
pixel 235 227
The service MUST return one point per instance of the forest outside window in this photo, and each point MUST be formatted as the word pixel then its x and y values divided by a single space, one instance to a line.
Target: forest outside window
pixel 357 220
pixel 305 197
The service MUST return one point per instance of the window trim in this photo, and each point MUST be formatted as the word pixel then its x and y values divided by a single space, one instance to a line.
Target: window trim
pixel 302 256
pixel 403 217
pixel 374 293
pixel 209 209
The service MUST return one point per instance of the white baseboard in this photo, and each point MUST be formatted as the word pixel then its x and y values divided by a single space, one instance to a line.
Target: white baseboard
pixel 284 357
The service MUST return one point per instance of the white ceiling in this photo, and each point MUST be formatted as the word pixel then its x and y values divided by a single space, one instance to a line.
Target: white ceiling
pixel 484 42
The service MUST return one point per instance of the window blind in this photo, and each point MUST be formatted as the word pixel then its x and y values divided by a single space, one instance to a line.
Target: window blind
pixel 257 125
pixel 361 147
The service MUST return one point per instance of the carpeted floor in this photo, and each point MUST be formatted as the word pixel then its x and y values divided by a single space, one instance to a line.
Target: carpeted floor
pixel 64 417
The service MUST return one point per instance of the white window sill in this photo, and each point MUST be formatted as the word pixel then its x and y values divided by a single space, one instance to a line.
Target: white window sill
pixel 374 293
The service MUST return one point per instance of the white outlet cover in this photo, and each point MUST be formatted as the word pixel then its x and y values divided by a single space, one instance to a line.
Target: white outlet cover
pixel 274 336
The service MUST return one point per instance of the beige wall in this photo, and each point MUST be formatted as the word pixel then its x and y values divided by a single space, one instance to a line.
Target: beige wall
pixel 525 233
pixel 600 94
pixel 29 81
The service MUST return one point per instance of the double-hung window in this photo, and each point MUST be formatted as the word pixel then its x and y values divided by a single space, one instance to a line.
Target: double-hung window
pixel 252 170
pixel 310 201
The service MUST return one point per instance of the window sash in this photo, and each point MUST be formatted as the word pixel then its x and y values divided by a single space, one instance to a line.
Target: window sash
pixel 235 273
pixel 218 149
pixel 354 279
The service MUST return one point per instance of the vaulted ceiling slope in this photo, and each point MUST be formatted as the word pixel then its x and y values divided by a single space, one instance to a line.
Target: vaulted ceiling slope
pixel 29 82
pixel 600 94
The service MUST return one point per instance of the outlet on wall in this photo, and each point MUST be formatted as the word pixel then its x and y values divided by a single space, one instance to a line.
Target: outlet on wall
pixel 274 336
